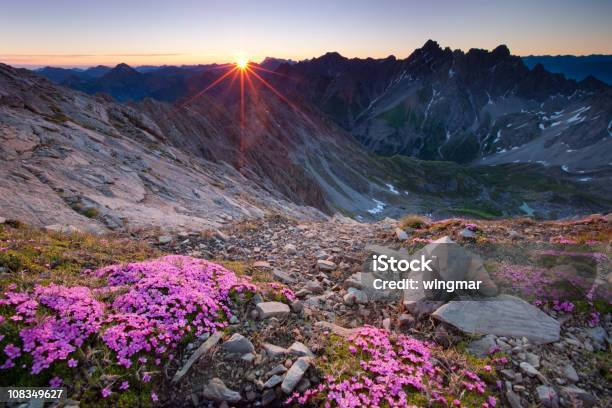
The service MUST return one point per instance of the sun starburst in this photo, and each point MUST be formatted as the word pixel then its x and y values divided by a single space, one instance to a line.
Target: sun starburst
pixel 242 63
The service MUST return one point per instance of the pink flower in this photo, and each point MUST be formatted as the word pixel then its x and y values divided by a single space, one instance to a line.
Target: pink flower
pixel 146 377
pixel 12 351
pixel 72 363
pixel 106 392
pixel 55 382
pixel 154 397
pixel 124 385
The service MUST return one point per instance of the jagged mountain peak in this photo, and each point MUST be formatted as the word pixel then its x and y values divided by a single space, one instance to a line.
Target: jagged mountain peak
pixel 123 68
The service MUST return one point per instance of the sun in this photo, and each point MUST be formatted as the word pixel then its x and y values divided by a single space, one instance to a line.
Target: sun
pixel 242 63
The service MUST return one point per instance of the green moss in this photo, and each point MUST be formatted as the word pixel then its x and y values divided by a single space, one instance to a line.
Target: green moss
pixel 90 212
pixel 339 362
pixel 603 363
pixel 34 255
pixel 477 212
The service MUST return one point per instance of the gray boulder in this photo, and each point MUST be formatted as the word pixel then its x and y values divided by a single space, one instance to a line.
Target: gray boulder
pixel 267 310
pixel 482 347
pixel 295 374
pixel 216 391
pixel 503 316
pixel 238 344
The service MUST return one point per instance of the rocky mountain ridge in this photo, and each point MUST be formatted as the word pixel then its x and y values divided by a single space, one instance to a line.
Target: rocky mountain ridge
pixel 78 159
pixel 451 105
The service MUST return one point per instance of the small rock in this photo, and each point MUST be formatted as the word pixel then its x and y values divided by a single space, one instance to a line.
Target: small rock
pixel 358 296
pixel 273 381
pixel 533 359
pixel 300 349
pixel 570 373
pixel 295 374
pixel 250 395
pixel 297 306
pixel 528 369
pixel 221 236
pixel 248 357
pixel 598 335
pixel 269 396
pixel 261 265
pixel 203 349
pixel 483 346
pixel 283 277
pixel 314 287
pixel 513 399
pixel 2 220
pixel 274 351
pixel 466 233
pixel 421 308
pixel 303 385
pixel 349 299
pixel 290 249
pixel 574 393
pixel 238 344
pixel 216 390
pixel 164 239
pixel 267 310
pixel 400 234
pixel 386 323
pixel 278 369
pixel 326 266
pixel 508 374
pixel 547 396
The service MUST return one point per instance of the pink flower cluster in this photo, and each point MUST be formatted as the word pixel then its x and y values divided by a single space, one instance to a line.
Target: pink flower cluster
pixel 564 306
pixel 71 315
pixel 156 304
pixel 394 368
pixel 283 291
pixel 471 227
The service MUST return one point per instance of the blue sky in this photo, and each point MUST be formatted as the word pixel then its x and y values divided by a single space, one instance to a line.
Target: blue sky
pixel 75 33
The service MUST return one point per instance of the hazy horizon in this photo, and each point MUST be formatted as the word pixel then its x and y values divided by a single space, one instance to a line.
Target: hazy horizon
pixel 83 67
pixel 70 33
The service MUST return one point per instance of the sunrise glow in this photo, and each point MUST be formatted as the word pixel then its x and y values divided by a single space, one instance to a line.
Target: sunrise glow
pixel 242 63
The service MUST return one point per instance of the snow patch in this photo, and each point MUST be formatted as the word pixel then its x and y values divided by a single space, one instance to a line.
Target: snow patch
pixel 379 207
pixel 392 189
pixel 497 137
pixel 527 209
pixel 577 118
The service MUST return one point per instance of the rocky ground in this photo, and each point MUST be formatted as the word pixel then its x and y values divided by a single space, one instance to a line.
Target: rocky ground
pixel 318 261
pixel 310 327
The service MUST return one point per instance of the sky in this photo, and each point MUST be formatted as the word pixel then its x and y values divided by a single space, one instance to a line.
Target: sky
pixel 156 32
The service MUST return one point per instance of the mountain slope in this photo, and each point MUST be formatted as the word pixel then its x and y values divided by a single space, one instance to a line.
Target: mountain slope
pixel 73 159
pixel 71 156
pixel 443 104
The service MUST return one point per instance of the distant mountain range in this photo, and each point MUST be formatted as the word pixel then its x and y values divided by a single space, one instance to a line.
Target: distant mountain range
pixel 578 68
pixel 441 132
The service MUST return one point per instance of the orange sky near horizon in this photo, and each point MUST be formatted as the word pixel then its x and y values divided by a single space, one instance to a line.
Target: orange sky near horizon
pixel 74 33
